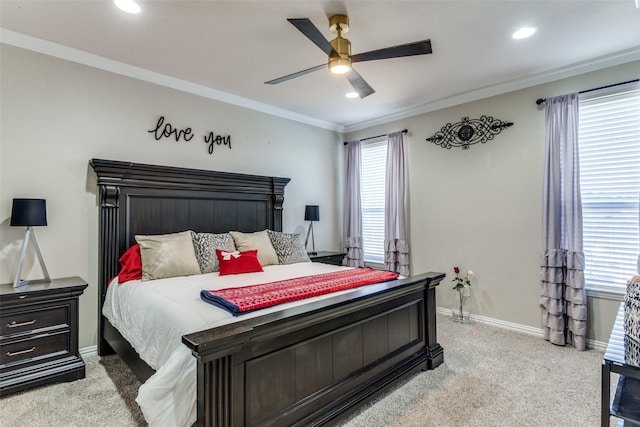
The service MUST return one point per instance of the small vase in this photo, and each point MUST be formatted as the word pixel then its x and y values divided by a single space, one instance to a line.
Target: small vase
pixel 460 311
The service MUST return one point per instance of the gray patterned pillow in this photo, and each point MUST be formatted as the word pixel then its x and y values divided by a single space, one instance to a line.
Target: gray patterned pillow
pixel 205 245
pixel 288 247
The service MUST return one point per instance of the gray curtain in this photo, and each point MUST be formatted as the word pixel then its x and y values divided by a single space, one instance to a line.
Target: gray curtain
pixel 353 208
pixel 396 238
pixel 563 298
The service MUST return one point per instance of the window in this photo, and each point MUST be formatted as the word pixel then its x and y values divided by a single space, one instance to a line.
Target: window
pixel 374 163
pixel 609 144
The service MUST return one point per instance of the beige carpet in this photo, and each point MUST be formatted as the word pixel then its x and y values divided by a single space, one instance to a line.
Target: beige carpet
pixel 491 377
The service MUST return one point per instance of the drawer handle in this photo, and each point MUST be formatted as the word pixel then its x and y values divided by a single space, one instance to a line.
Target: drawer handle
pixel 17 353
pixel 17 325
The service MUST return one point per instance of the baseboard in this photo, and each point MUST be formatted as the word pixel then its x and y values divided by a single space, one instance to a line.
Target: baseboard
pixel 516 327
pixel 89 351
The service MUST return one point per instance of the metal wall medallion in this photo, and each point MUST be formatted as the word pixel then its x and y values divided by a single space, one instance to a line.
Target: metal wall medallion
pixel 468 132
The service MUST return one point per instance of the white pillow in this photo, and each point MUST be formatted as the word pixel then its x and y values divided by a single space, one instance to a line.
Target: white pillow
pixel 259 240
pixel 167 255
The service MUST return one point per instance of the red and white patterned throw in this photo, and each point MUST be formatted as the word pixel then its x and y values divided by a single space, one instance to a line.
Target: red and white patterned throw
pixel 249 298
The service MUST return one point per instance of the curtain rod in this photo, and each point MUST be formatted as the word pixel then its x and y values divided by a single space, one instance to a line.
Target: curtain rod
pixel 377 136
pixel 540 101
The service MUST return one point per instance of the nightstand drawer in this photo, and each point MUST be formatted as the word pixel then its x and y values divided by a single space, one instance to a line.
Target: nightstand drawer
pixel 35 348
pixel 41 317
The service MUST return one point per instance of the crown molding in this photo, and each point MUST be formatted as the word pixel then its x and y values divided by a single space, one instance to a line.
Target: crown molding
pixel 75 55
pixel 81 57
pixel 617 58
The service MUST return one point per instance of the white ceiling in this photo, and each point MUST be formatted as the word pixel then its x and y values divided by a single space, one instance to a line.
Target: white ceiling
pixel 233 47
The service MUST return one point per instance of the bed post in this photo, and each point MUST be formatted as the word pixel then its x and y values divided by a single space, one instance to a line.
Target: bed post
pixel 435 353
pixel 213 402
pixel 277 189
pixel 109 233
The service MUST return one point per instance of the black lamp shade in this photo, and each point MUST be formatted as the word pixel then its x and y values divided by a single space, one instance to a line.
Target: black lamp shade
pixel 29 212
pixel 312 213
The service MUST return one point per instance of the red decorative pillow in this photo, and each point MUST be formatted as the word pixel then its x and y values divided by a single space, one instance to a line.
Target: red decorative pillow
pixel 238 262
pixel 131 264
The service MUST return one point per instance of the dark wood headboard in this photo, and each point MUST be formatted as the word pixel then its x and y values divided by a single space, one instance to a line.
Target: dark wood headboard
pixel 147 199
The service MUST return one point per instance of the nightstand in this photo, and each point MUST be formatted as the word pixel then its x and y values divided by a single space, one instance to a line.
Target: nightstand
pixel 326 257
pixel 39 334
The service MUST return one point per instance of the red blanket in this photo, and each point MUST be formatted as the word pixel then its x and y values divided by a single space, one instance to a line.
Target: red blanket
pixel 249 298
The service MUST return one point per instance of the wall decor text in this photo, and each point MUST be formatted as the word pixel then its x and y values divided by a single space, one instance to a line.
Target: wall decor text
pixel 167 130
pixel 217 140
pixel 468 132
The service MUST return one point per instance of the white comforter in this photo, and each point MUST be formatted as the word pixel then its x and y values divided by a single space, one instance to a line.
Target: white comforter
pixel 154 315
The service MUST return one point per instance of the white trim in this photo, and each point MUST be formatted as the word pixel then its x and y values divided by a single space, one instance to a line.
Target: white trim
pixel 89 351
pixel 81 57
pixel 53 49
pixel 617 58
pixel 516 327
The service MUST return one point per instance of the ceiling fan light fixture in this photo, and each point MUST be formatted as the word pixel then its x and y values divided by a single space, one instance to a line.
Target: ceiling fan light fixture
pixel 523 33
pixel 339 65
pixel 129 6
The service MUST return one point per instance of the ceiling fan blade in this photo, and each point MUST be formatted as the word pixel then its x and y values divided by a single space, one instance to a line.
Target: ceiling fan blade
pixel 294 75
pixel 307 28
pixel 359 84
pixel 409 49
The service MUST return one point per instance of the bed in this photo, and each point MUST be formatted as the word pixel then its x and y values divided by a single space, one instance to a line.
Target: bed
pixel 306 364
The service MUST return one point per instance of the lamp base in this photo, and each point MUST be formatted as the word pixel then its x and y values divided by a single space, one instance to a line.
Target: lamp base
pixel 313 240
pixel 28 236
pixel 30 281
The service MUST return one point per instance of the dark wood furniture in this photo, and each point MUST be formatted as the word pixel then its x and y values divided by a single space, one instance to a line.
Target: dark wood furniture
pixel 621 357
pixel 305 365
pixel 333 258
pixel 39 334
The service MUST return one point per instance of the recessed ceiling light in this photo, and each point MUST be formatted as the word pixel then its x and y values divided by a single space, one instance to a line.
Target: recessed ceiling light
pixel 128 6
pixel 351 94
pixel 523 33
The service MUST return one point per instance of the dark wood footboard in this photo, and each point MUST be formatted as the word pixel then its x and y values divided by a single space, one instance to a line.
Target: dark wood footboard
pixel 307 365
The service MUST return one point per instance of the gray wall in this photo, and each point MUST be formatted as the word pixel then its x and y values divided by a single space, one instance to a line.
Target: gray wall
pixel 481 208
pixel 57 115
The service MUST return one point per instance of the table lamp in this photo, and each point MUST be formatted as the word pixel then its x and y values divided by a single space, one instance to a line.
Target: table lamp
pixel 29 213
pixel 311 213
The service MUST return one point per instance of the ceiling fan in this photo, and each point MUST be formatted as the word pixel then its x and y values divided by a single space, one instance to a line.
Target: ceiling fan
pixel 339 55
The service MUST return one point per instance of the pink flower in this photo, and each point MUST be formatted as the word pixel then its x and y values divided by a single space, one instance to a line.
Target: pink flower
pixel 456 270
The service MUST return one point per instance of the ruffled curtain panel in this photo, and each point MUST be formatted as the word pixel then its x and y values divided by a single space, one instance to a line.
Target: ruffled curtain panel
pixel 563 298
pixel 396 238
pixel 353 208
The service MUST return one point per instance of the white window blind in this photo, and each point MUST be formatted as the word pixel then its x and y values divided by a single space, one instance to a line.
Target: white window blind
pixel 374 161
pixel 609 147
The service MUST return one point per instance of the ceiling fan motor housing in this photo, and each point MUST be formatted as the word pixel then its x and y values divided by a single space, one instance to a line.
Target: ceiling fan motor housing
pixel 341 21
pixel 342 63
